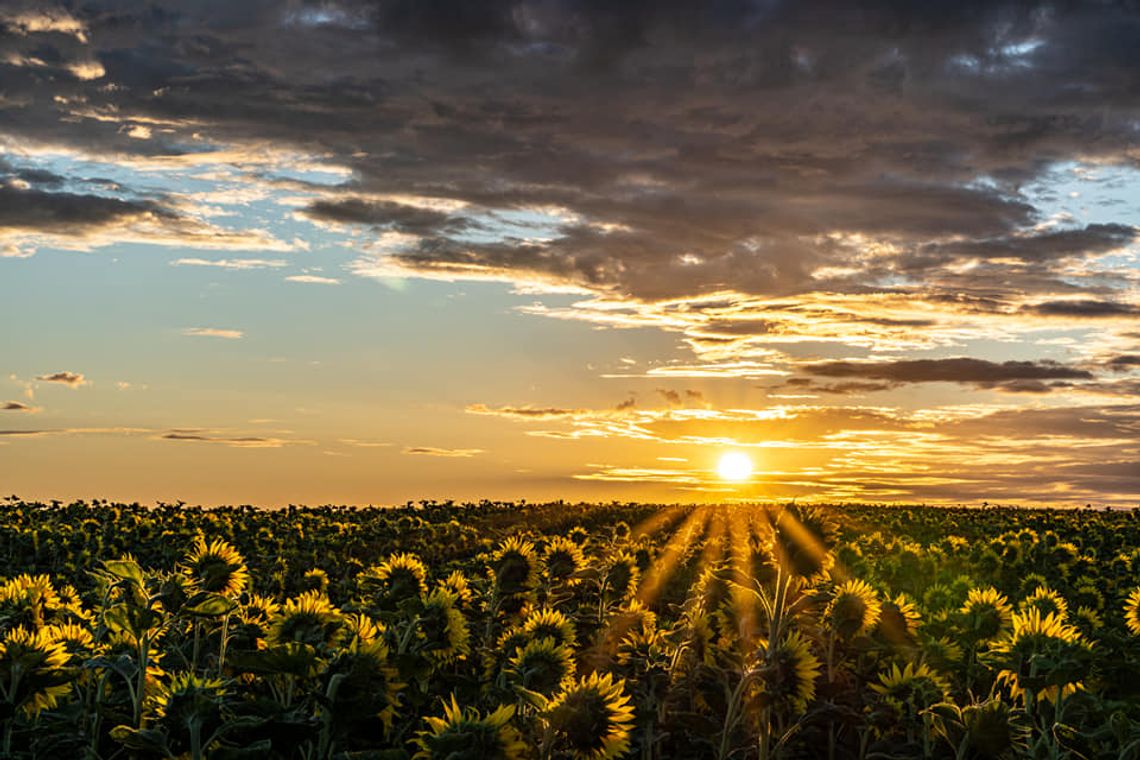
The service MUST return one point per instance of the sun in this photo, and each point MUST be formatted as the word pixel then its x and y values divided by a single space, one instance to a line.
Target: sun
pixel 734 466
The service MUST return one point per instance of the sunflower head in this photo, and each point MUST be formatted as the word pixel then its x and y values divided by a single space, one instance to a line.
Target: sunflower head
pixel 400 578
pixel 563 560
pixel 29 600
pixel 459 587
pixel 1088 595
pixel 1132 612
pixel 315 579
pixel 1046 601
pixel 788 672
pixel 307 619
pixel 900 620
pixel 542 666
pixel 367 687
pixel 550 624
pixel 591 719
pixel 76 639
pixel 215 566
pixel 986 613
pixel 187 697
pixel 941 652
pixel 802 538
pixel 443 631
pixel 35 665
pixel 916 686
pixel 1088 621
pixel 622 576
pixel 579 535
pixel 515 566
pixel 854 609
pixel 1042 653
pixel 464 733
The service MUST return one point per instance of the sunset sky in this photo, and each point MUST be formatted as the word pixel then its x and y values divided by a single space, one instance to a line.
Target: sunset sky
pixel 366 252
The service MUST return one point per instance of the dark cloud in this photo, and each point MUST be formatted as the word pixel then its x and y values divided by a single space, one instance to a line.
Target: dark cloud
pixel 66 213
pixel 1124 362
pixel 1018 376
pixel 1083 309
pixel 72 379
pixel 16 406
pixel 385 214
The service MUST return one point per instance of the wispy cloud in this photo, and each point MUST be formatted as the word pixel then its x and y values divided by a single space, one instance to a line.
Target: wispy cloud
pixel 312 279
pixel 70 379
pixel 435 451
pixel 213 332
pixel 234 264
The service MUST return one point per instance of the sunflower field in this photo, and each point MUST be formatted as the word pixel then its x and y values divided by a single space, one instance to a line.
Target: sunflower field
pixel 501 630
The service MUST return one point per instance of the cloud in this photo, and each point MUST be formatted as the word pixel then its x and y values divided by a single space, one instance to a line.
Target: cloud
pixel 213 332
pixel 70 379
pixel 312 279
pixel 237 442
pixel 235 264
pixel 1084 309
pixel 433 451
pixel 16 406
pixel 1017 376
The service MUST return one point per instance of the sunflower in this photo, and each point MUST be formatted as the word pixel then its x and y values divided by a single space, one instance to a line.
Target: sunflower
pixel 640 647
pixel 986 613
pixel 900 619
pixel 939 597
pixel 463 733
pixel 443 630
pixel 591 719
pixel 1042 652
pixel 315 579
pixel 367 687
pixel 788 672
pixel 1088 595
pixel 76 639
pixel 188 697
pixel 802 538
pixel 1132 612
pixel 29 600
pixel 941 652
pixel 578 535
pixel 1088 621
pixel 542 666
pixel 552 624
pixel 307 619
pixel 495 658
pixel 515 566
pixel 563 559
pixel 1046 601
pixel 622 576
pixel 362 628
pixel 397 579
pixel 216 567
pixel 460 588
pixel 854 609
pixel 915 685
pixel 32 670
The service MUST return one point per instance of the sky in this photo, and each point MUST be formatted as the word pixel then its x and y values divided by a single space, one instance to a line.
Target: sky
pixel 370 252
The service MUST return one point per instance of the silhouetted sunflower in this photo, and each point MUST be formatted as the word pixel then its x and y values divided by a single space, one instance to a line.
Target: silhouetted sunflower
pixel 307 619
pixel 460 588
pixel 398 579
pixel 1132 612
pixel 552 624
pixel 32 670
pixel 542 666
pixel 854 609
pixel 1046 601
pixel 591 719
pixel 463 733
pixel 515 566
pixel 1042 653
pixel 563 560
pixel 443 630
pixel 986 613
pixel 622 577
pixel 788 672
pixel 216 567
pixel 915 685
